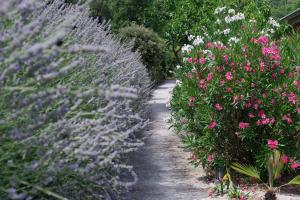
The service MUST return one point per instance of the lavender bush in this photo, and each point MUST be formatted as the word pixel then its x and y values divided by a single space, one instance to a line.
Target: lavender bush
pixel 72 99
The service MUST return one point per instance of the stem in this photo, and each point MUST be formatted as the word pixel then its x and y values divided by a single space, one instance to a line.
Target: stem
pixel 48 192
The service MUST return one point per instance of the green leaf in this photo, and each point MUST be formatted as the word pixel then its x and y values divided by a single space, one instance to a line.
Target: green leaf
pixel 295 181
pixel 247 170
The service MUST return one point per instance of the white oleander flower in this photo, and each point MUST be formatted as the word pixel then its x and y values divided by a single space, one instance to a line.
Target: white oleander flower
pixel 187 48
pixel 178 67
pixel 237 17
pixel 273 22
pixel 226 31
pixel 191 37
pixel 234 40
pixel 198 41
pixel 178 82
pixel 219 10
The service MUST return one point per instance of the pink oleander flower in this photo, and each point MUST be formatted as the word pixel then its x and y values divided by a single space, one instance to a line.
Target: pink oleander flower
pixel 229 90
pixel 261 114
pixel 248 68
pixel 210 158
pixel 218 107
pixel 292 98
pixel 251 115
pixel 202 61
pixel 272 144
pixel 226 58
pixel 259 101
pixel 295 165
pixel 297 84
pixel 281 71
pixel 284 159
pixel 222 82
pixel 272 120
pixel 229 76
pixel 262 66
pixel 287 118
pixel 255 106
pixel 265 121
pixel 195 60
pixel 202 84
pixel 209 45
pixel 235 99
pixel 253 85
pixel 212 125
pixel 258 123
pixel 298 110
pixel 291 75
pixel 263 40
pixel 209 77
pixel 189 60
pixel 243 125
pixel 283 94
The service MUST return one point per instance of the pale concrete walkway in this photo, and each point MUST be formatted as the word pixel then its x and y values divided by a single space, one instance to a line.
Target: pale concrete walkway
pixel 162 165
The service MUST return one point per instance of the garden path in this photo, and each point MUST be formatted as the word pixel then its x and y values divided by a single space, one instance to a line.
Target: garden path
pixel 162 165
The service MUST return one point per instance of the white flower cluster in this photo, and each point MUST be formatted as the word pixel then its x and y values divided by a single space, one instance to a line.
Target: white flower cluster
pixel 219 43
pixel 191 37
pixel 273 22
pixel 233 40
pixel 178 82
pixel 219 10
pixel 199 40
pixel 226 31
pixel 237 17
pixel 186 48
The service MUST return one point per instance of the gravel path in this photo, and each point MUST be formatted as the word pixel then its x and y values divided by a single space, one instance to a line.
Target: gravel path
pixel 161 165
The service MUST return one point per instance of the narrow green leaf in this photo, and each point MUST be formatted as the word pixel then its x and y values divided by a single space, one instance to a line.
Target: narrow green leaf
pixel 295 181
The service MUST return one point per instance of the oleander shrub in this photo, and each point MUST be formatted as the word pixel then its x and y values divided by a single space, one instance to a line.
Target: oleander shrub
pixel 153 49
pixel 238 88
pixel 72 99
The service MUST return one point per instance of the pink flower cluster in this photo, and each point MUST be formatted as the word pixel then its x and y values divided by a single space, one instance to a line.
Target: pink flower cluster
pixel 243 125
pixel 210 158
pixel 272 144
pixel 218 107
pixel 293 164
pixel 229 76
pixel 287 118
pixel 202 61
pixel 202 84
pixel 212 125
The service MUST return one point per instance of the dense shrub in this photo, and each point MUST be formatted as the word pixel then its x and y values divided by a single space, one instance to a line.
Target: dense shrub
pixel 237 89
pixel 154 52
pixel 71 100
